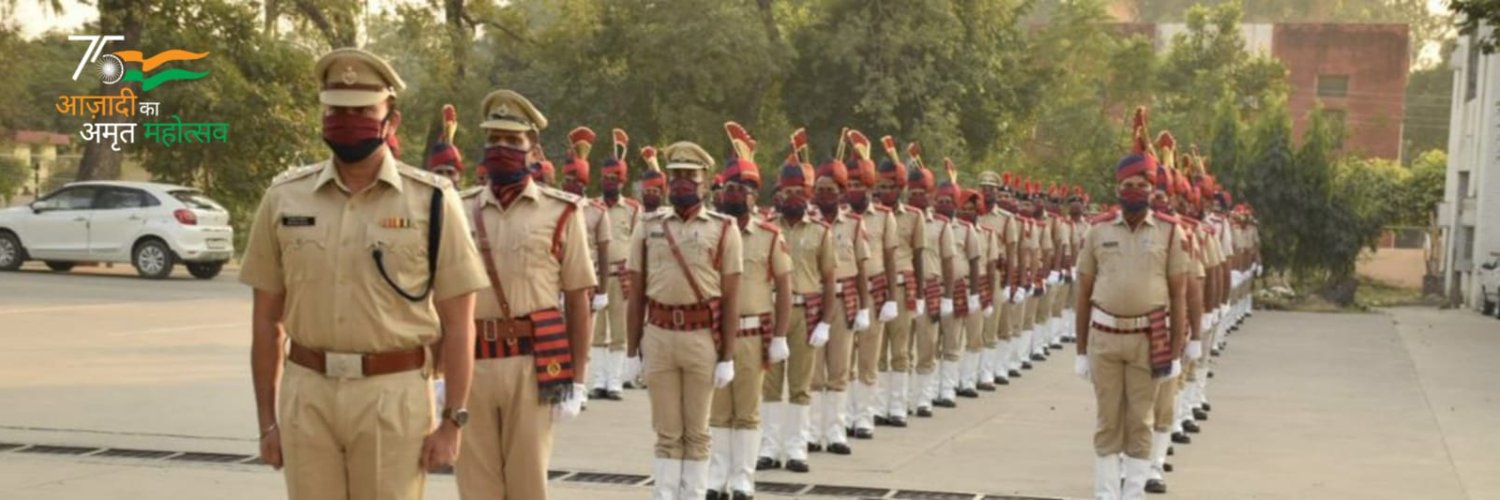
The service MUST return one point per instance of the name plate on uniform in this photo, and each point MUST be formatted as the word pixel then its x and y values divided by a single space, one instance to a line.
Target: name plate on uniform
pixel 298 220
pixel 1110 244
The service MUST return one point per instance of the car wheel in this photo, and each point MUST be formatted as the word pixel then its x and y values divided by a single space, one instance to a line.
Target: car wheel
pixel 11 253
pixel 205 270
pixel 60 266
pixel 153 259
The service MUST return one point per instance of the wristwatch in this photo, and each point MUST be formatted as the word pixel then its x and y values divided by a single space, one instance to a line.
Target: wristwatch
pixel 459 416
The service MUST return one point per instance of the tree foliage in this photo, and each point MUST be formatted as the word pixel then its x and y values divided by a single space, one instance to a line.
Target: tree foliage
pixel 1474 16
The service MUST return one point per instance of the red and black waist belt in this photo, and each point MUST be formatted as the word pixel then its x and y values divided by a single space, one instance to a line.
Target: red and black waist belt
pixel 684 317
pixel 961 298
pixel 543 335
pixel 621 274
pixel 812 306
pixel 848 290
pixel 1153 324
pixel 908 279
pixel 986 290
pixel 355 365
pixel 933 296
pixel 880 288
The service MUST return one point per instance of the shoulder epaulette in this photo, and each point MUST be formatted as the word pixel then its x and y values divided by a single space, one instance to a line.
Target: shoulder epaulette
pixel 424 176
pixel 295 173
pixel 629 202
pixel 940 217
pixel 823 223
pixel 717 215
pixel 1170 219
pixel 561 195
pixel 854 216
pixel 882 208
pixel 471 192
pixel 774 229
pixel 656 215
pixel 1103 217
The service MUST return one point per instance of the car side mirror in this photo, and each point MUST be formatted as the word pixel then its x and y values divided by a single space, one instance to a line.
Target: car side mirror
pixel 36 207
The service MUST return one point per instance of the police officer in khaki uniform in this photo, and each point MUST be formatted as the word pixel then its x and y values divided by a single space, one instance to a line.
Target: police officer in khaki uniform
pixel 962 298
pixel 938 255
pixel 623 214
pixel 1016 291
pixel 1132 275
pixel 1000 222
pixel 575 179
pixel 765 304
pixel 362 263
pixel 880 271
pixel 443 157
pixel 530 351
pixel 683 318
pixel 981 309
pixel 847 315
pixel 911 239
pixel 813 264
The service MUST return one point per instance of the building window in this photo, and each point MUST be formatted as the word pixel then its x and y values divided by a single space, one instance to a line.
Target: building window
pixel 1471 70
pixel 1463 185
pixel 1333 85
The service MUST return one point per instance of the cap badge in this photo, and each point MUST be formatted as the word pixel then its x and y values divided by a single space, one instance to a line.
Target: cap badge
pixel 349 76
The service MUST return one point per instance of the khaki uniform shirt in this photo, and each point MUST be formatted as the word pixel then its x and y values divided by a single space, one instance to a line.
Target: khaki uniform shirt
pixel 1002 225
pixel 969 247
pixel 849 244
pixel 596 222
pixel 1062 237
pixel 911 237
pixel 521 240
pixel 881 231
pixel 811 245
pixel 312 241
pixel 623 217
pixel 940 247
pixel 1031 241
pixel 710 245
pixel 766 257
pixel 1131 267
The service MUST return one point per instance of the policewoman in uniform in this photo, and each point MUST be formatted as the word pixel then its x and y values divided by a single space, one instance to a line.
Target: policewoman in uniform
pixel 623 214
pixel 530 356
pixel 1132 275
pixel 847 314
pixel 362 263
pixel 684 318
pixel 765 303
pixel 787 390
pixel 911 239
pixel 880 271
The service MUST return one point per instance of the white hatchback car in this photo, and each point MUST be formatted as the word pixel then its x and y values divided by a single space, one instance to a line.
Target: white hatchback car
pixel 152 226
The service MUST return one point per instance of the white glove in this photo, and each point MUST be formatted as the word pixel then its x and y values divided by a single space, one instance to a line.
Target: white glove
pixel 1258 270
pixel 723 374
pixel 1176 368
pixel 888 311
pixel 1010 294
pixel 945 307
pixel 601 300
pixel 779 350
pixel 819 335
pixel 862 320
pixel 1081 366
pixel 974 302
pixel 921 307
pixel 1195 349
pixel 439 388
pixel 632 368
pixel 568 408
pixel 989 311
pixel 1053 277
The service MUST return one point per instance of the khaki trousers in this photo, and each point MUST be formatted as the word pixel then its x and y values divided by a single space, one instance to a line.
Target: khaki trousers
pixel 867 348
pixel 737 405
pixel 680 379
pixel 831 363
pixel 508 441
pixel 1007 314
pixel 974 331
pixel 1059 295
pixel 1120 366
pixel 895 345
pixel 795 374
pixel 609 323
pixel 1165 406
pixel 358 439
pixel 924 334
pixel 952 335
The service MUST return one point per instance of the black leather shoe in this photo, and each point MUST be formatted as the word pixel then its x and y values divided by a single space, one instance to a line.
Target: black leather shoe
pixel 597 393
pixel 1205 407
pixel 1056 344
pixel 1046 351
pixel 1171 450
pixel 1000 380
pixel 1180 438
pixel 797 466
pixel 985 386
pixel 864 434
pixel 968 393
pixel 1069 340
pixel 924 412
pixel 945 403
pixel 1014 373
pixel 1154 486
pixel 714 495
pixel 1191 427
pixel 767 463
pixel 1214 352
pixel 630 385
pixel 614 396
pixel 882 421
pixel 1167 466
pixel 1026 365
pixel 896 422
pixel 740 495
pixel 1199 414
pixel 839 449
pixel 848 432
pixel 811 448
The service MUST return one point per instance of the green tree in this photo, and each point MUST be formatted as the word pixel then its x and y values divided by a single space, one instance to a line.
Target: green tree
pixel 1423 189
pixel 13 176
pixel 1475 14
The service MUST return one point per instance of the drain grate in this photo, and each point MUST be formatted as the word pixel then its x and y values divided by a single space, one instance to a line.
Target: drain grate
pixel 932 495
pixel 605 478
pixel 1015 497
pixel 59 450
pixel 848 491
pixel 218 458
pixel 554 474
pixel 10 446
pixel 128 453
pixel 779 488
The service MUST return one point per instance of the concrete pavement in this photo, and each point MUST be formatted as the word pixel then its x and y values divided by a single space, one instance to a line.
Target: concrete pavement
pixel 1395 405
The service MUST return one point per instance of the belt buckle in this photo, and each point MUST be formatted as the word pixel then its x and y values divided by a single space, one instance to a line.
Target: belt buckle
pixel 490 331
pixel 678 318
pixel 343 365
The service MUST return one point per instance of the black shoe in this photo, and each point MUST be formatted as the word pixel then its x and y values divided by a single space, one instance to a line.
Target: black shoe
pixel 864 434
pixel 1205 406
pixel 1001 380
pixel 614 396
pixel 1180 438
pixel 896 422
pixel 1214 352
pixel 924 412
pixel 1167 466
pixel 1154 486
pixel 767 463
pixel 714 495
pixel 839 449
pixel 1026 365
pixel 630 385
pixel 1046 351
pixel 1171 450
pixel 1210 374
pixel 740 495
pixel 597 393
pixel 811 448
pixel 968 393
pixel 944 403
pixel 1014 373
pixel 1056 344
pixel 1069 340
pixel 882 421
pixel 1191 427
pixel 848 432
pixel 797 466
pixel 1199 414
pixel 985 386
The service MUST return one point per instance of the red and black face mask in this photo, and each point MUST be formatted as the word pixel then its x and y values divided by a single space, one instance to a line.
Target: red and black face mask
pixel 1134 199
pixel 918 199
pixel 858 200
pixel 353 137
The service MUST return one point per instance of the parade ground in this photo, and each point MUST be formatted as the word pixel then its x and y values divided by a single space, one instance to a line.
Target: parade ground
pixel 116 387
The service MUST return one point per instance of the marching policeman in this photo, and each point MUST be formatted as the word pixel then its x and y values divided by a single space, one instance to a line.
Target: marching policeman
pixel 1000 222
pixel 575 179
pixel 765 304
pixel 443 157
pixel 961 299
pixel 1132 275
pixel 531 351
pixel 846 315
pixel 362 263
pixel 683 318
pixel 911 239
pixel 621 216
pixel 938 254
pixel 970 206
pixel 880 271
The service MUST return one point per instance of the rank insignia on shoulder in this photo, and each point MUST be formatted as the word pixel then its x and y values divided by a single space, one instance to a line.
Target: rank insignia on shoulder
pixel 1109 244
pixel 657 234
pixel 298 220
pixel 395 223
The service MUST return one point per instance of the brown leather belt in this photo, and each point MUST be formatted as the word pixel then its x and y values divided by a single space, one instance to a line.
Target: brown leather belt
pixel 681 317
pixel 354 365
pixel 494 329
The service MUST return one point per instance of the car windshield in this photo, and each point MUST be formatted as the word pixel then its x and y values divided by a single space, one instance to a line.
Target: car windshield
pixel 196 200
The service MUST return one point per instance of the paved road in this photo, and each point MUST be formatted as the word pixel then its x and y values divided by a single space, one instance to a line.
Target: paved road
pixel 1394 405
